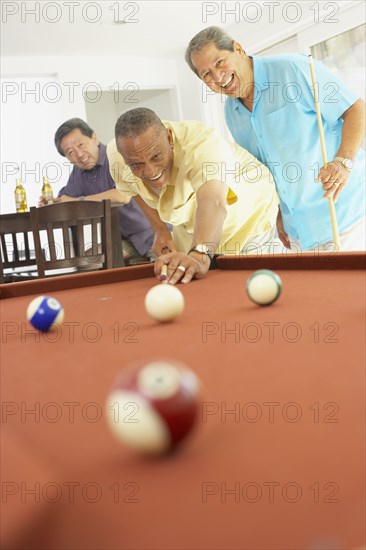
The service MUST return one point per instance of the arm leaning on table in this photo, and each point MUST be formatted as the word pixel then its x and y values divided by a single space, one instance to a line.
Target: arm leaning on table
pixel 114 195
pixel 216 196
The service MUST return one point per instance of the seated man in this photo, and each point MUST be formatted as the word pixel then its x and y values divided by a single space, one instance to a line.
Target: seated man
pixel 90 177
pixel 216 195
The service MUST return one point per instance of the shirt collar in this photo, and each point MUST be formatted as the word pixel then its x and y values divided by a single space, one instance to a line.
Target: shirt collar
pixel 102 159
pixel 260 78
pixel 260 75
pixel 102 154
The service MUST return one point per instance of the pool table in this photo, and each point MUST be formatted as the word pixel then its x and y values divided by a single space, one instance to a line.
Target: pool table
pixel 276 459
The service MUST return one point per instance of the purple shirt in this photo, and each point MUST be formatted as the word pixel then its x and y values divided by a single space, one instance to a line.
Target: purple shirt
pixel 134 225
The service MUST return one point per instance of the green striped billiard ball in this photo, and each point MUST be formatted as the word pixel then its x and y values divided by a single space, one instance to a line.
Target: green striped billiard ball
pixel 264 287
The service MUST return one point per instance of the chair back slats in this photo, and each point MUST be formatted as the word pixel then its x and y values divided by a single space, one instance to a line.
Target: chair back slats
pixel 67 241
pixel 107 244
pixel 74 217
pixel 38 248
pixel 94 233
pixel 4 250
pixel 27 251
pixel 80 237
pixel 16 255
pixel 51 245
pixel 15 248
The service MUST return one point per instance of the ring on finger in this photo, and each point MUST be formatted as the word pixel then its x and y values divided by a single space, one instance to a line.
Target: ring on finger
pixel 181 268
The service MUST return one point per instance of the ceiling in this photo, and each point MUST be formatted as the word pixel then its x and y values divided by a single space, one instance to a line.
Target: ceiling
pixel 156 29
pixel 147 28
pixel 150 29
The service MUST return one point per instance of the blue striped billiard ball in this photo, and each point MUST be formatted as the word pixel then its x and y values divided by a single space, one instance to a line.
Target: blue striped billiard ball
pixel 264 287
pixel 44 313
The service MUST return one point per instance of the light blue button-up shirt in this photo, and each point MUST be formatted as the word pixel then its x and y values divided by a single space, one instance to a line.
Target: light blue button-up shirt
pixel 282 132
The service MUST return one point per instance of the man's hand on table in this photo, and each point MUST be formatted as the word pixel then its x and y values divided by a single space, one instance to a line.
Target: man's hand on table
pixel 163 243
pixel 63 198
pixel 182 268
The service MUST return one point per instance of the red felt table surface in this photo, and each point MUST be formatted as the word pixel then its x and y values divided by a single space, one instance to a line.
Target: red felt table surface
pixel 276 460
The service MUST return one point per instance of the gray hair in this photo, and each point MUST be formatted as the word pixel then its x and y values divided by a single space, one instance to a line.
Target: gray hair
pixel 135 122
pixel 69 126
pixel 212 35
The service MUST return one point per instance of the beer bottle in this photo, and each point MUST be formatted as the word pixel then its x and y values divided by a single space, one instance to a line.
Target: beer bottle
pixel 20 197
pixel 47 192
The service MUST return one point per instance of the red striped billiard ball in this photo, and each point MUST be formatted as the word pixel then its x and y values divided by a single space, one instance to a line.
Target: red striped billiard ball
pixel 152 407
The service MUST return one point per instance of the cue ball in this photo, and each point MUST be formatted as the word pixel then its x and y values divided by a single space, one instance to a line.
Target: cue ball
pixel 45 313
pixel 164 302
pixel 264 287
pixel 153 406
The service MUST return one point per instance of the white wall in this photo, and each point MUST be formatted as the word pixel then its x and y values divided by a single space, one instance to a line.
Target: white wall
pixel 27 129
pixel 40 93
pixel 190 91
pixel 103 114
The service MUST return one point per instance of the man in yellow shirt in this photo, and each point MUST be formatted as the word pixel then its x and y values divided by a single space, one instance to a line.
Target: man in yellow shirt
pixel 215 194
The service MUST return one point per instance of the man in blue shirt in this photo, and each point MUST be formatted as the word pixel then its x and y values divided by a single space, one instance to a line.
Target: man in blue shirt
pixel 270 111
pixel 91 178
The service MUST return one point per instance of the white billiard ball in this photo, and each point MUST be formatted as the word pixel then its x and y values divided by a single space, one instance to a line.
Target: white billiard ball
pixel 164 302
pixel 264 287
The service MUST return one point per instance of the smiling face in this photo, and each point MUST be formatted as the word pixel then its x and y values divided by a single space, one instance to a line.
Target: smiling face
pixel 225 72
pixel 82 151
pixel 149 156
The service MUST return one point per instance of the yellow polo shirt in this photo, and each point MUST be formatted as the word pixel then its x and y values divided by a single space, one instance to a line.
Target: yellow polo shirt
pixel 201 155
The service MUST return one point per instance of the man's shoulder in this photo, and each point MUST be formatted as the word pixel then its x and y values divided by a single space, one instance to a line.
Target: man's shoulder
pixel 283 62
pixel 283 69
pixel 102 160
pixel 111 147
pixel 73 184
pixel 281 59
pixel 112 153
pixel 118 169
pixel 231 103
pixel 187 131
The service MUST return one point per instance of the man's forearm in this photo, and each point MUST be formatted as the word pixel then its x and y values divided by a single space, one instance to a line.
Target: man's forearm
pixel 353 130
pixel 211 214
pixel 210 218
pixel 114 195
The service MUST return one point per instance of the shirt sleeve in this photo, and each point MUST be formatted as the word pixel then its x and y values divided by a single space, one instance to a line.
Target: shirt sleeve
pixel 71 189
pixel 334 96
pixel 218 159
pixel 212 159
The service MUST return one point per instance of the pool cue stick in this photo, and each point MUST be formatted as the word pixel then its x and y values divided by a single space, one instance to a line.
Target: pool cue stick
pixel 164 272
pixel 333 215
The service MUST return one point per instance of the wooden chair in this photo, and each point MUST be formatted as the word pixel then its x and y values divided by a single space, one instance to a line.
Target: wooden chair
pixel 65 253
pixel 16 248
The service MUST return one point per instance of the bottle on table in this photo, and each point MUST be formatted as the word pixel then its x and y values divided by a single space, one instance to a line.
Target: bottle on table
pixel 20 197
pixel 47 192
